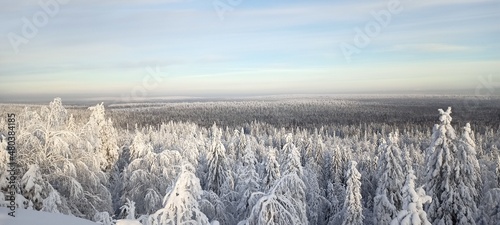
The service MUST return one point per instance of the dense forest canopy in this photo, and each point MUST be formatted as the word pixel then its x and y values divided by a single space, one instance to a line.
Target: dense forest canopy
pixel 321 160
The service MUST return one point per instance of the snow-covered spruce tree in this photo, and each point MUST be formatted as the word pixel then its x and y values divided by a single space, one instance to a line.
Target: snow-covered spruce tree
pixel 248 183
pixel 128 209
pixel 413 200
pixel 340 162
pixel 104 136
pixel 336 187
pixel 390 175
pixel 242 144
pixel 56 114
pixel 53 202
pixel 283 205
pixel 320 148
pixel 109 146
pixel 215 208
pixel 4 160
pixel 32 187
pixel 181 201
pixel 291 158
pixel 316 203
pixel 71 124
pixel 291 163
pixel 138 171
pixel 452 201
pixel 272 169
pixel 307 151
pixel 219 179
pixel 83 184
pixel 139 148
pixel 148 175
pixel 190 150
pixel 336 196
pixel 353 209
pixel 498 171
pixel 469 166
pixel 489 212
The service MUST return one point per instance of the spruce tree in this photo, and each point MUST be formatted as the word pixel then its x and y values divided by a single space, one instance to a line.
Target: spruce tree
pixel 353 209
pixel 470 169
pixel 4 160
pixel 413 201
pixel 32 187
pixel 104 136
pixel 452 199
pixel 283 205
pixel 390 175
pixel 248 182
pixel 272 169
pixel 498 171
pixel 181 201
pixel 220 179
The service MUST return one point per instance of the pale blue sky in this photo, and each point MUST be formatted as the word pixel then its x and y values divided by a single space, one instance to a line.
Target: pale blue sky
pixel 259 47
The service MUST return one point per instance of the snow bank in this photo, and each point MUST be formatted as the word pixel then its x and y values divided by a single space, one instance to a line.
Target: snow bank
pixel 31 217
pixel 128 222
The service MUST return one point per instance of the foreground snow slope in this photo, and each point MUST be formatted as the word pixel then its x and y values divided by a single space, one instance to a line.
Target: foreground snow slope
pixel 128 222
pixel 31 217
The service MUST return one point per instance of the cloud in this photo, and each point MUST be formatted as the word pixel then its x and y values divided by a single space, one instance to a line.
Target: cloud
pixel 443 3
pixel 260 46
pixel 432 48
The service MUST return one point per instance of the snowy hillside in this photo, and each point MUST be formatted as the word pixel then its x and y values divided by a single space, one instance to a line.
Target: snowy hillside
pixel 32 217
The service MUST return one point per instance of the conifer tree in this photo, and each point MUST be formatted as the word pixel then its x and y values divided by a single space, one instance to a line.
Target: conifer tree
pixel 32 186
pixel 469 165
pixel 248 182
pixel 498 171
pixel 390 175
pixel 272 169
pixel 353 209
pixel 413 201
pixel 283 205
pixel 291 158
pixel 181 201
pixel 219 179
pixel 4 160
pixel 490 210
pixel 104 135
pixel 445 178
pixel 128 209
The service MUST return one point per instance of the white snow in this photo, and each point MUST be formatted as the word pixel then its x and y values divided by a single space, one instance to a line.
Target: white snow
pixel 128 222
pixel 32 217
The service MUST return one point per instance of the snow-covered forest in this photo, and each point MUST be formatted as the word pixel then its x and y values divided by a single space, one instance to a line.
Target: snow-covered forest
pixel 309 161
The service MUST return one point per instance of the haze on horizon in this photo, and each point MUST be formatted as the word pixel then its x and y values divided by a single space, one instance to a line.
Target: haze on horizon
pixel 189 48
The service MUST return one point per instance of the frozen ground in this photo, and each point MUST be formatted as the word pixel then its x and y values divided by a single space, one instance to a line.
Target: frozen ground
pixel 31 217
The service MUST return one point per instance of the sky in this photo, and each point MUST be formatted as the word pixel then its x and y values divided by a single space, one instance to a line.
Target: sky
pixel 147 48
